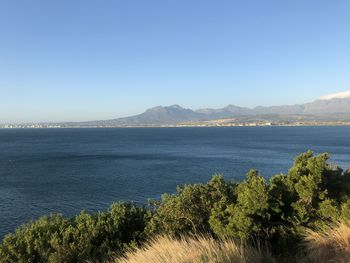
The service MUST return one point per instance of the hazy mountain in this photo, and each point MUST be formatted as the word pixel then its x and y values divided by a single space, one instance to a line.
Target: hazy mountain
pixel 324 106
pixel 328 106
pixel 331 107
pixel 285 109
pixel 160 115
pixel 226 112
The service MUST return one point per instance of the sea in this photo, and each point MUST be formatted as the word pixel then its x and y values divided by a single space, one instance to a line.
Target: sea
pixel 45 171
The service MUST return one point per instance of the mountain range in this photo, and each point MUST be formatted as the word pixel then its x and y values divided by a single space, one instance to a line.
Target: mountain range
pixel 332 109
pixel 328 108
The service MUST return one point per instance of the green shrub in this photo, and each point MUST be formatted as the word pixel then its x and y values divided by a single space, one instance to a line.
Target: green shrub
pixel 188 210
pixel 246 215
pixel 312 193
pixel 85 236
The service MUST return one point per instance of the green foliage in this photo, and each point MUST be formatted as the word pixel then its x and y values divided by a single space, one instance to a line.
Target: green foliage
pixel 345 210
pixel 85 236
pixel 312 194
pixel 189 209
pixel 244 216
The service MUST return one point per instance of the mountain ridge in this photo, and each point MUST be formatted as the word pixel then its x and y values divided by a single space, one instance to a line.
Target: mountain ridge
pixel 331 109
pixel 173 114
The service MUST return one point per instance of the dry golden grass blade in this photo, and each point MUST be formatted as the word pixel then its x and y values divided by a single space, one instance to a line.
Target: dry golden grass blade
pixel 330 245
pixel 194 250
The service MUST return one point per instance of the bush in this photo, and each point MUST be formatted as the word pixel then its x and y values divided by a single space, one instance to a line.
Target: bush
pixel 188 210
pixel 85 236
pixel 244 216
pixel 312 193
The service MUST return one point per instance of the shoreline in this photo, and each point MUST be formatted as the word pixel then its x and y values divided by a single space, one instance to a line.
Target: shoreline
pixel 311 124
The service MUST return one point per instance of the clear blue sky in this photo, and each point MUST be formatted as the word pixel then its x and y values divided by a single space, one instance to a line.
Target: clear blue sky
pixel 84 60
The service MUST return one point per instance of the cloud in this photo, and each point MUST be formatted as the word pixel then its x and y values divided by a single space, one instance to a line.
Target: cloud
pixel 340 95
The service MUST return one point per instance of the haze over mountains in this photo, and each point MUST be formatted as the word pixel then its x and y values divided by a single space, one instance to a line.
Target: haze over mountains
pixel 331 107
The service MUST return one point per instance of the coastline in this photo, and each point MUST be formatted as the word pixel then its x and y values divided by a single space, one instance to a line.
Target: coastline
pixel 180 125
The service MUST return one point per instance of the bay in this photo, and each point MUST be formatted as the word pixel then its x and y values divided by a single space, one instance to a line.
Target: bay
pixel 45 171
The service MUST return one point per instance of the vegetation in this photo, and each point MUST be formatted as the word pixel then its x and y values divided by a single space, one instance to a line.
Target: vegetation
pixel 332 244
pixel 57 239
pixel 195 250
pixel 284 212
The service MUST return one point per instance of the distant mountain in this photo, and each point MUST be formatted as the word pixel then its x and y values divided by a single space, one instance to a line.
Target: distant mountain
pixel 226 112
pixel 330 107
pixel 324 106
pixel 158 115
pixel 163 115
pixel 285 109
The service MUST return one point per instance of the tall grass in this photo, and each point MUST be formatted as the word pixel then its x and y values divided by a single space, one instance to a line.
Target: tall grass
pixel 195 250
pixel 330 245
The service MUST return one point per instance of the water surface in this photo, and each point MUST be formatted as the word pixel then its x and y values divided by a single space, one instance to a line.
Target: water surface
pixel 46 171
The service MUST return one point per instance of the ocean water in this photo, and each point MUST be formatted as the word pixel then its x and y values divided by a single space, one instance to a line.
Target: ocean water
pixel 45 171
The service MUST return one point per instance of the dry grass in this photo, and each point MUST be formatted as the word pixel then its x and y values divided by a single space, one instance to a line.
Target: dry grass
pixel 194 250
pixel 330 245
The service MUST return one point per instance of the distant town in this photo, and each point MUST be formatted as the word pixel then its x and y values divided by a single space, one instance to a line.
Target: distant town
pixel 216 123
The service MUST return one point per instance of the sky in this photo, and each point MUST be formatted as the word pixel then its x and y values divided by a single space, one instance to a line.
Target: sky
pixel 87 60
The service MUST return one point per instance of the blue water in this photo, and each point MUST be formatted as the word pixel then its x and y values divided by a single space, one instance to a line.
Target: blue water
pixel 65 170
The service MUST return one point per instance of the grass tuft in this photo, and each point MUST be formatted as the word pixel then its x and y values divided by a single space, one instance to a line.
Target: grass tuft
pixel 194 250
pixel 330 245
